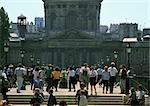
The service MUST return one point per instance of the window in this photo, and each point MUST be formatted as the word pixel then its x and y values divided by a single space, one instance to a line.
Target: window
pixel 52 6
pixel 72 6
pixel 58 6
pixel 64 6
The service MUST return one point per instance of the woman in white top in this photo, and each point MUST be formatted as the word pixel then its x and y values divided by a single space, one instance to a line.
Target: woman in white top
pixel 93 79
pixel 140 96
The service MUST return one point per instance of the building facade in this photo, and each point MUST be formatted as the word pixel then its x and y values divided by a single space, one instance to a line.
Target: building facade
pixel 39 23
pixel 73 37
pixel 63 15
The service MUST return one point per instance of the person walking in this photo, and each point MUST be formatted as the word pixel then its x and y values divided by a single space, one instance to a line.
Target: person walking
pixel 113 73
pixel 51 99
pixel 31 78
pixel 72 79
pixel 83 98
pixel 123 76
pixel 56 78
pixel 37 99
pixel 99 72
pixel 19 72
pixel 39 84
pixel 84 75
pixel 10 74
pixel 36 72
pixel 4 87
pixel 42 73
pixel 78 93
pixel 49 80
pixel 105 78
pixel 140 96
pixel 93 79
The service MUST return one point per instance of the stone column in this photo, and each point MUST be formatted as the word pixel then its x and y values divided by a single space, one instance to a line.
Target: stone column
pixel 80 58
pixel 88 57
pixel 55 58
pixel 62 59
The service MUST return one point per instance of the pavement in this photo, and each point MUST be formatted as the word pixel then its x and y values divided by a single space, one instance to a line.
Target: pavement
pixel 76 105
pixel 64 92
pixel 61 91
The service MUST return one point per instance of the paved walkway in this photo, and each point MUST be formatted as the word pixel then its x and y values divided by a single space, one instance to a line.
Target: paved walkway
pixel 65 92
pixel 76 105
pixel 61 91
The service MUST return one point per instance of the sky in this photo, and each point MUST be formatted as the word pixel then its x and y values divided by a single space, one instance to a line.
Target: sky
pixel 112 11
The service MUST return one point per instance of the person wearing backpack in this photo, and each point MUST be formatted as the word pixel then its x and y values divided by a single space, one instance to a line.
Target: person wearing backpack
pixel 4 88
pixel 132 98
pixel 4 84
pixel 37 99
pixel 51 99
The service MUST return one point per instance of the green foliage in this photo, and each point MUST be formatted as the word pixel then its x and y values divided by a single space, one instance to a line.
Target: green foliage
pixel 4 30
pixel 4 26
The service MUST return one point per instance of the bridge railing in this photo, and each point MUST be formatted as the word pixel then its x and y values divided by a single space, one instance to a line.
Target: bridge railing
pixel 135 80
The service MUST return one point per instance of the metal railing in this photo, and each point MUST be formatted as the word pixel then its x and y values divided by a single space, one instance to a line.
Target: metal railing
pixel 134 81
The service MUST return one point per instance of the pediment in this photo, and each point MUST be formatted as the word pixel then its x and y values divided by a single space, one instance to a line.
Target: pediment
pixel 72 34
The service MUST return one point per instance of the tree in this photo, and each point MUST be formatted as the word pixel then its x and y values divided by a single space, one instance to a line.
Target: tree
pixel 4 30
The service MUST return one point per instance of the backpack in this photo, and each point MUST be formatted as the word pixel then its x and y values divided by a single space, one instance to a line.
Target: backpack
pixel 5 83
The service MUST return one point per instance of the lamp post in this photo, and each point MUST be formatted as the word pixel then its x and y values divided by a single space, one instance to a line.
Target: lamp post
pixel 107 59
pixel 38 61
pixel 128 48
pixel 6 50
pixel 22 52
pixel 31 59
pixel 116 56
pixel 128 54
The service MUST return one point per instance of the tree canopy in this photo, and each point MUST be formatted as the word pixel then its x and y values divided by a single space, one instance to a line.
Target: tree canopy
pixel 4 30
pixel 4 24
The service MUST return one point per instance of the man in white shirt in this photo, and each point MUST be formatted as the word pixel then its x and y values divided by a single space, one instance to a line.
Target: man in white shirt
pixel 20 71
pixel 113 72
pixel 72 78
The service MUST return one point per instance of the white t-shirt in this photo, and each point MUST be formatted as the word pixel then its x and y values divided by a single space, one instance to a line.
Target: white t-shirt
pixel 112 71
pixel 140 94
pixel 93 73
pixel 20 71
pixel 99 71
pixel 71 73
pixel 42 73
pixel 3 74
pixel 35 73
pixel 84 69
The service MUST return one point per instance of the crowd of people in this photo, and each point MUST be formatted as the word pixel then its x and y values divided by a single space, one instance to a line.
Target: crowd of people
pixel 51 77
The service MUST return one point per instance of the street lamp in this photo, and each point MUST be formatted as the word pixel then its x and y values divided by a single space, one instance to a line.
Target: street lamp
pixel 38 61
pixel 102 62
pixel 107 59
pixel 128 53
pixel 6 50
pixel 128 48
pixel 116 56
pixel 22 52
pixel 32 59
